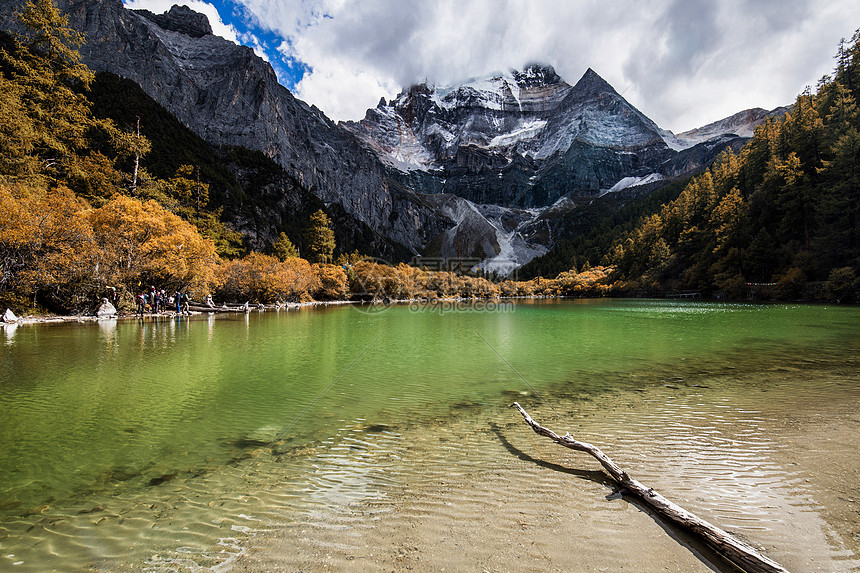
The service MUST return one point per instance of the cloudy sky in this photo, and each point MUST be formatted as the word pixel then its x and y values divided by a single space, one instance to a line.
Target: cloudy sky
pixel 684 63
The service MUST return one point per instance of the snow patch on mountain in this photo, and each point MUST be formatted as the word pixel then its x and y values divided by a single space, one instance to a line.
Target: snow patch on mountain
pixel 460 210
pixel 514 252
pixel 528 130
pixel 409 159
pixel 742 124
pixel 514 249
pixel 627 182
pixel 674 143
pixel 495 92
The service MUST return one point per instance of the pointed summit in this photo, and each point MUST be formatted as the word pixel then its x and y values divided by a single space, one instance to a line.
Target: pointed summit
pixel 591 85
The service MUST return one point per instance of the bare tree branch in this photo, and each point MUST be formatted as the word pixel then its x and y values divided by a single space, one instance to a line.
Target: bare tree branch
pixel 734 550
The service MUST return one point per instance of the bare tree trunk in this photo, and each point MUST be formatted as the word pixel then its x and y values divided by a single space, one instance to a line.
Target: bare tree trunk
pixel 734 550
pixel 197 171
pixel 136 161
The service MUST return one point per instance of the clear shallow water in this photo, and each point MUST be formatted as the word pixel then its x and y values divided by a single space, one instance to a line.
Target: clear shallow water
pixel 166 444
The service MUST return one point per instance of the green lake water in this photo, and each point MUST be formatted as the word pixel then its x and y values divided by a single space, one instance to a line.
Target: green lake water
pixel 152 430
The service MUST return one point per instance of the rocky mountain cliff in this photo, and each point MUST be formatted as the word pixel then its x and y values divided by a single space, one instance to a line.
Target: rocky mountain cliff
pixel 474 170
pixel 528 138
pixel 742 124
pixel 229 96
pixel 525 146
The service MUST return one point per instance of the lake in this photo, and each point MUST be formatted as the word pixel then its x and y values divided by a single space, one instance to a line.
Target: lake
pixel 379 438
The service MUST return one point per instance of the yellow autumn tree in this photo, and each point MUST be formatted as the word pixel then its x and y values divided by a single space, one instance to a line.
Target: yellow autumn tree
pixel 143 243
pixel 47 251
pixel 332 282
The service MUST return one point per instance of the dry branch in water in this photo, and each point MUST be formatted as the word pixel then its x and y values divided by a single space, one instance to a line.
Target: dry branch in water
pixel 734 550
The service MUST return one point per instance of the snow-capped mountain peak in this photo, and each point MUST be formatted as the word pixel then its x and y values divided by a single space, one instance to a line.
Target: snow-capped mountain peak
pixel 502 90
pixel 531 113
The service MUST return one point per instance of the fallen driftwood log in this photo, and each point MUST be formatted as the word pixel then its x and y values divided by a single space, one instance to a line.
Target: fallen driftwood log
pixel 202 308
pixel 225 308
pixel 734 550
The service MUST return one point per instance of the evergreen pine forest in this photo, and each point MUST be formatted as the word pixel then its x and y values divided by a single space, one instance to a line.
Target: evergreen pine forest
pixel 95 202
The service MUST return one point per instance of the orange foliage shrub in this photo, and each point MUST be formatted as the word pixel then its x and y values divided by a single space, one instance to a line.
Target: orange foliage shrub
pixel 593 282
pixel 373 280
pixel 263 278
pixel 47 247
pixel 508 288
pixel 56 248
pixel 411 280
pixel 332 284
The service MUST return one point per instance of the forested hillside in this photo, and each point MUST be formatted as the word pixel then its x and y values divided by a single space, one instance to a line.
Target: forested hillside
pixel 593 229
pixel 779 219
pixel 783 210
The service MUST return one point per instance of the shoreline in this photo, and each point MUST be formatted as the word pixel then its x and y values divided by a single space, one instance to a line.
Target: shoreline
pixel 64 319
pixel 224 308
pixel 198 309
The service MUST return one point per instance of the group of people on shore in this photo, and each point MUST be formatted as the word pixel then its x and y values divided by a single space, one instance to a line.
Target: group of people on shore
pixel 157 301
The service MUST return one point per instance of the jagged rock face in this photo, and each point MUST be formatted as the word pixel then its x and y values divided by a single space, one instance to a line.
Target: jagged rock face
pixel 697 158
pixel 435 122
pixel 520 138
pixel 181 19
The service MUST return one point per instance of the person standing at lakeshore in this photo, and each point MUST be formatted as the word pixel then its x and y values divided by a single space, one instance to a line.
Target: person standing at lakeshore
pixel 153 299
pixel 141 303
pixel 178 303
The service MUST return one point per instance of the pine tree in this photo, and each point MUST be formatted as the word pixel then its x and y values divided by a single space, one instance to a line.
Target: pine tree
pixel 839 210
pixel 46 65
pixel 319 238
pixel 17 134
pixel 47 89
pixel 131 146
pixel 186 195
pixel 284 249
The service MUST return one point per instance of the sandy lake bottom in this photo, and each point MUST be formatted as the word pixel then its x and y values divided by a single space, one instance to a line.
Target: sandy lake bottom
pixel 777 466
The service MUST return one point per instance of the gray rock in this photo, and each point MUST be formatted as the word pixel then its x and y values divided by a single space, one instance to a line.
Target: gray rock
pixel 524 138
pixel 9 316
pixel 106 309
pixel 229 96
pixel 181 19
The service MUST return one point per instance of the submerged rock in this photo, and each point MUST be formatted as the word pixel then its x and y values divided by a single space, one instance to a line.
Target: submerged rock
pixel 161 479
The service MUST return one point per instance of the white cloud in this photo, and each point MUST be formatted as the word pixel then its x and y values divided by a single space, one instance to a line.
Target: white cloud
pixel 219 28
pixel 252 41
pixel 705 60
pixel 389 45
